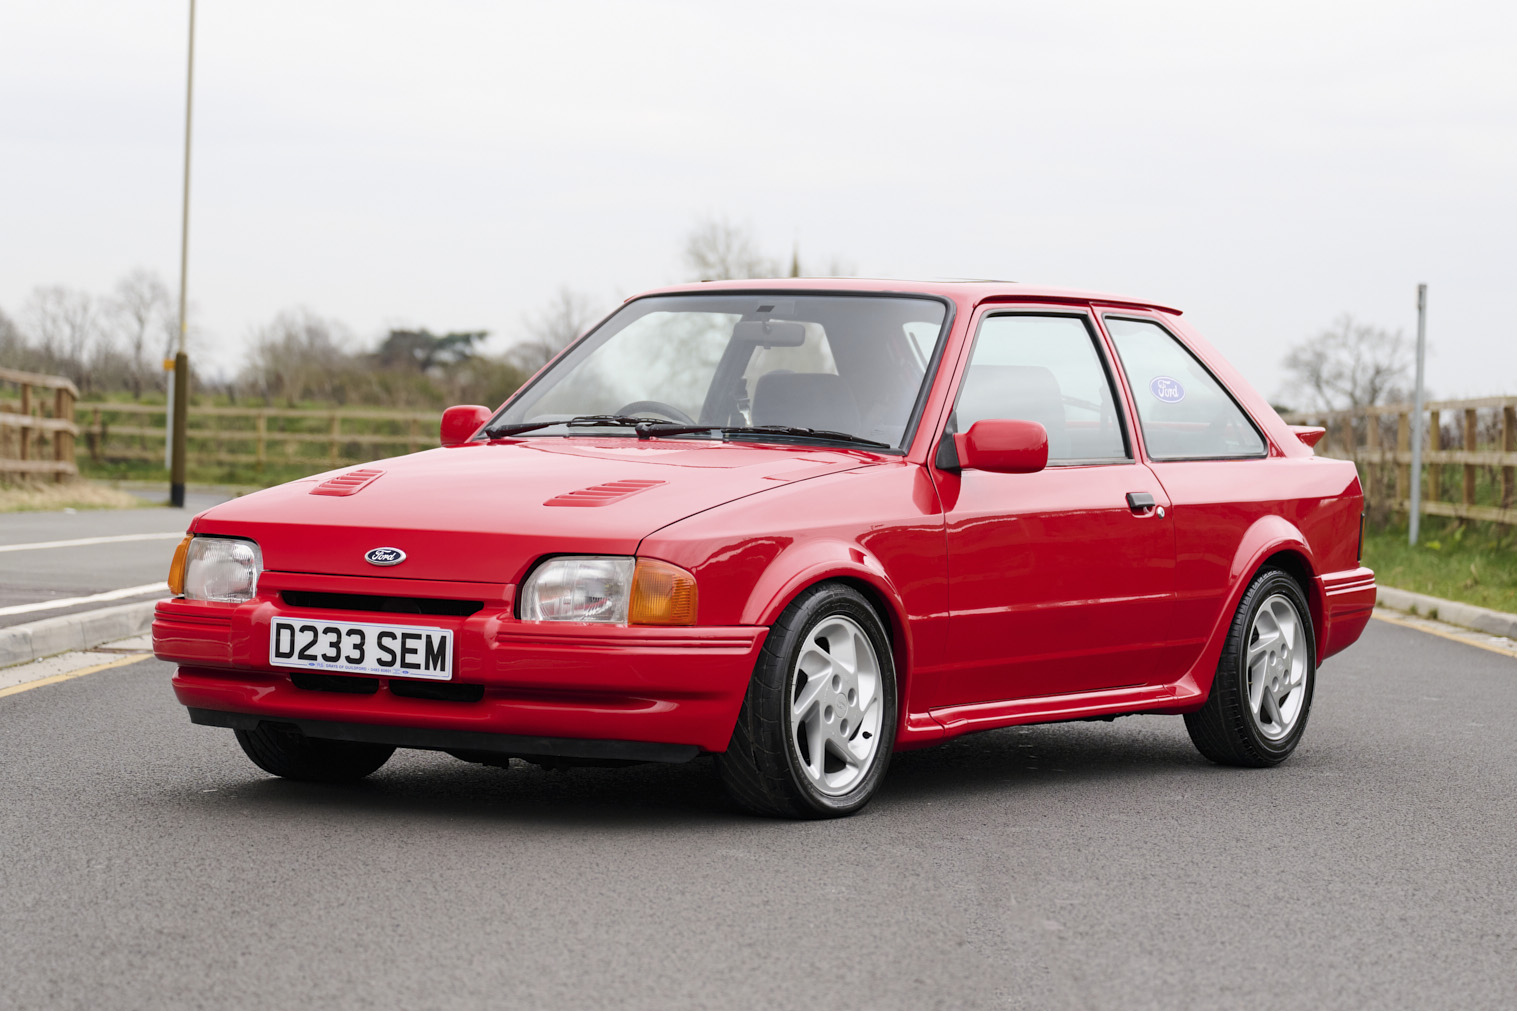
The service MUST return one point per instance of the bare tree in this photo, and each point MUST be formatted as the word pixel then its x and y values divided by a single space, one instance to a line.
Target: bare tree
pixel 15 350
pixel 718 250
pixel 65 324
pixel 550 330
pixel 833 267
pixel 299 355
pixel 142 314
pixel 1350 364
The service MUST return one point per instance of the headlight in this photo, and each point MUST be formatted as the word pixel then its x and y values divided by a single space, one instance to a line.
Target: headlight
pixel 221 568
pixel 610 589
pixel 579 588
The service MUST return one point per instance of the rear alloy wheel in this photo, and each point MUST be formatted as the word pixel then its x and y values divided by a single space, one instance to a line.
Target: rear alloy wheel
pixel 1262 694
pixel 818 725
pixel 286 752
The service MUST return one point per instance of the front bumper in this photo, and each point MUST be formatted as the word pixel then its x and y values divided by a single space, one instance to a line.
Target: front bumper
pixel 539 681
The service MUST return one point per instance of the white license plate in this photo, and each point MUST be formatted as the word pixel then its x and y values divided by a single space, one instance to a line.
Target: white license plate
pixel 408 651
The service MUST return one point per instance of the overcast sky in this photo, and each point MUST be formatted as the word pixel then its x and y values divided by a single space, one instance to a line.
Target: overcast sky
pixel 1265 167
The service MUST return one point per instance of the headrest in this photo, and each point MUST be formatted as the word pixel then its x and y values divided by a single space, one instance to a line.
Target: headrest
pixel 1022 392
pixel 807 399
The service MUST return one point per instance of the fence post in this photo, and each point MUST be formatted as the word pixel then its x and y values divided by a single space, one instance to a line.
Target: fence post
pixel 63 441
pixel 1350 435
pixel 26 412
pixel 1403 470
pixel 336 423
pixel 1434 470
pixel 1509 445
pixel 411 436
pixel 94 435
pixel 261 425
pixel 1469 446
pixel 1373 467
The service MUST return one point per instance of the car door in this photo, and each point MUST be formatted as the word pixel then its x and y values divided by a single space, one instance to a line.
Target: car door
pixel 1211 459
pixel 1060 581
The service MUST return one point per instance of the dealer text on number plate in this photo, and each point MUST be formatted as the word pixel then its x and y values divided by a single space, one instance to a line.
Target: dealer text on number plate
pixel 352 647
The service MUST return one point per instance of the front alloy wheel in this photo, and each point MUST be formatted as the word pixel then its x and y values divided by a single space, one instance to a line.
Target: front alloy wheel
pixel 835 714
pixel 818 724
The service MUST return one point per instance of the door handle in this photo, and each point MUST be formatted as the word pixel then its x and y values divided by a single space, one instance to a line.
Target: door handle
pixel 1141 502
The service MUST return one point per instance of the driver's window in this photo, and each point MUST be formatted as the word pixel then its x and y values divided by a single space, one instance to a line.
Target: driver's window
pixel 1184 413
pixel 1045 369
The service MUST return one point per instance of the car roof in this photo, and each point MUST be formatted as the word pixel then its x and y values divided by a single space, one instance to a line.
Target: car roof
pixel 968 290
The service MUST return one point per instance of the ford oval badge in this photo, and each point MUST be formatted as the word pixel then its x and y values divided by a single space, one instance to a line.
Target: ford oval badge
pixel 385 556
pixel 1166 389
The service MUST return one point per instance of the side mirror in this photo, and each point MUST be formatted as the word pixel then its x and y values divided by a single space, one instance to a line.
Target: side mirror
pixel 1003 447
pixel 458 423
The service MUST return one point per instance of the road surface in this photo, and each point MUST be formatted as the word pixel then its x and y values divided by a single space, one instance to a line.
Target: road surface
pixel 145 863
pixel 56 563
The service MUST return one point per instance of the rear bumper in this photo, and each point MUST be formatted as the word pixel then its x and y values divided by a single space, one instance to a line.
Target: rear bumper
pixel 559 683
pixel 1348 599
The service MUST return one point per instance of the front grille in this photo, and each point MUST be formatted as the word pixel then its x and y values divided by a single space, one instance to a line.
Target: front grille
pixel 440 691
pixel 313 682
pixel 389 605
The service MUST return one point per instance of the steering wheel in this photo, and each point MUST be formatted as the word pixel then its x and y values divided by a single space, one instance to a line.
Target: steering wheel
pixel 656 407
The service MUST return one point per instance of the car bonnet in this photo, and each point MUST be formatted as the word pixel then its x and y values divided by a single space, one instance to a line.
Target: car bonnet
pixel 485 512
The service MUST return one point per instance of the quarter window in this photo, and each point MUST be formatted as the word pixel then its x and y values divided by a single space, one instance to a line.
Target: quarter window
pixel 1044 369
pixel 1185 413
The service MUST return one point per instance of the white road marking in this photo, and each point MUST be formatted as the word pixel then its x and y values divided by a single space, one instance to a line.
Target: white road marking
pixel 80 542
pixel 94 598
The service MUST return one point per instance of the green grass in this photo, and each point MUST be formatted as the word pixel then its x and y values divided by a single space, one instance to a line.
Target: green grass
pixel 1471 562
pixel 50 497
pixel 235 475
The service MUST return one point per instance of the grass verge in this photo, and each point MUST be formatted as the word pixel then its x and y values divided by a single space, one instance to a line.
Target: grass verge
pixel 1471 562
pixel 16 498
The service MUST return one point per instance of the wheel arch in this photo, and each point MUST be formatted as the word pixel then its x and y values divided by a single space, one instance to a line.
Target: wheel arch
pixel 1296 565
pixel 851 566
pixel 1270 541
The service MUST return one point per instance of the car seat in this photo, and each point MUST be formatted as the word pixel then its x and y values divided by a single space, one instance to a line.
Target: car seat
pixel 1020 392
pixel 806 399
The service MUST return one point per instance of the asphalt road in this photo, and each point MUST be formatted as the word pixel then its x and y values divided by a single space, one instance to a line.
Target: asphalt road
pixel 145 863
pixel 35 568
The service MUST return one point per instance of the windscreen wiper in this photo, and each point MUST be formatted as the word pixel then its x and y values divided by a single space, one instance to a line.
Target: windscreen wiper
pixel 649 429
pixel 583 421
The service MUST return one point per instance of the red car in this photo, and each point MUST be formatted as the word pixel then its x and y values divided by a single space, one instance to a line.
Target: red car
pixel 798 525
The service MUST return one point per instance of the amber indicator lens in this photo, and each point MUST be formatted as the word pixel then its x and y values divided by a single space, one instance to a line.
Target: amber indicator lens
pixel 662 594
pixel 176 568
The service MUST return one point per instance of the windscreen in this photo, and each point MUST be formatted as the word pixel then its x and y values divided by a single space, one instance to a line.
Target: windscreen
pixel 853 364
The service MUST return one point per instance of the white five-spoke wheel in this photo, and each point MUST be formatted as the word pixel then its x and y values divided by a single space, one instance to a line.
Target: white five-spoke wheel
pixel 818 724
pixel 1277 666
pixel 835 714
pixel 1262 694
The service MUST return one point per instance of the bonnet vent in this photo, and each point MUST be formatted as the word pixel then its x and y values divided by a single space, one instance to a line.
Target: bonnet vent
pixel 602 494
pixel 347 484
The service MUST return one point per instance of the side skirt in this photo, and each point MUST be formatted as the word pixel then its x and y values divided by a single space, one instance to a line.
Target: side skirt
pixel 1173 698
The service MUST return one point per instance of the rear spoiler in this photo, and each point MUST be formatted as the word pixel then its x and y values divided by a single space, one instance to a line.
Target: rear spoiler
pixel 1309 434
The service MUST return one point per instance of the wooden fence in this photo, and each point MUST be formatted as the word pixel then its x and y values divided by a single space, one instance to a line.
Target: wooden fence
pixel 1469 455
pixel 37 428
pixel 258 438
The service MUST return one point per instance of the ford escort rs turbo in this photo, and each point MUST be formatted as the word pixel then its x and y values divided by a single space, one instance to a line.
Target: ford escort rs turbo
pixel 797 526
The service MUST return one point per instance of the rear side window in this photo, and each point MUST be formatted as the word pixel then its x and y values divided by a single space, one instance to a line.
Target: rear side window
pixel 1185 413
pixel 1045 369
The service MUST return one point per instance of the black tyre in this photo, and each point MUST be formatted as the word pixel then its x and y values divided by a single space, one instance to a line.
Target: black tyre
pixel 285 751
pixel 1262 695
pixel 817 727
